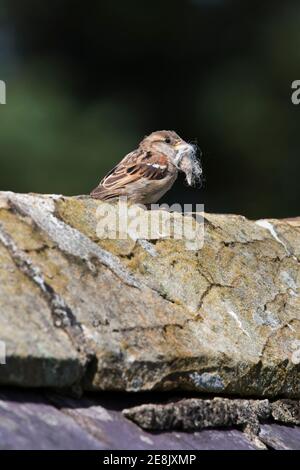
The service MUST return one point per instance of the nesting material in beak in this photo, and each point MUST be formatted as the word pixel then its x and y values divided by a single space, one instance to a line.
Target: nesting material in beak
pixel 190 164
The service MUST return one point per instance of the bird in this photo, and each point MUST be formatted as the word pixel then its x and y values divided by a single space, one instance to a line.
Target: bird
pixel 144 175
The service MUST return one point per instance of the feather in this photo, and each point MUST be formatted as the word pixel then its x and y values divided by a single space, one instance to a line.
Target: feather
pixel 137 165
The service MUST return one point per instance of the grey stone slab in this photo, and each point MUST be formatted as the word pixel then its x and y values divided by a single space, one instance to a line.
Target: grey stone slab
pixel 280 437
pixel 103 419
pixel 217 439
pixel 31 420
pixel 27 422
pixel 114 430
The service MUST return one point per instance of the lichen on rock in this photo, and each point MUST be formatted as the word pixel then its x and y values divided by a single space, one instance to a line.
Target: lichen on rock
pixel 195 414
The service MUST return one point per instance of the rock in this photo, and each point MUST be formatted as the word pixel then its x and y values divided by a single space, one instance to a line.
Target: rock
pixel 286 411
pixel 29 420
pixel 278 437
pixel 194 414
pixel 136 315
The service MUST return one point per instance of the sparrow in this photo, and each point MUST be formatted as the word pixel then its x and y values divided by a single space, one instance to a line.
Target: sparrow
pixel 147 173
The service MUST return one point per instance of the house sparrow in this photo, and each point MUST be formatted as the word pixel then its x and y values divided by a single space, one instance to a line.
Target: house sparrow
pixel 147 173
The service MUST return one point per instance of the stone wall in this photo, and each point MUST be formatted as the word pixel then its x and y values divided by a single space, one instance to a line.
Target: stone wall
pixel 83 313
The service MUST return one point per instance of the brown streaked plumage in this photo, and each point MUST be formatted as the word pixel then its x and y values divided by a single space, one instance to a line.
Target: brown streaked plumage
pixel 147 173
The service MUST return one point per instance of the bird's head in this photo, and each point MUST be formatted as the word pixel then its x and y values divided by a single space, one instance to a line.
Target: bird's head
pixel 181 154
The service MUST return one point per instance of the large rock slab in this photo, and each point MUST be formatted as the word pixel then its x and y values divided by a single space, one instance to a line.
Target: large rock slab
pixel 76 311
pixel 31 421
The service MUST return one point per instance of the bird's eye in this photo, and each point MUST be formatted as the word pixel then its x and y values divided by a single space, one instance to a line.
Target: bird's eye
pixel 167 140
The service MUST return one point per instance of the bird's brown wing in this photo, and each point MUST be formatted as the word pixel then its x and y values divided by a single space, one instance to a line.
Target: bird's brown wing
pixel 137 165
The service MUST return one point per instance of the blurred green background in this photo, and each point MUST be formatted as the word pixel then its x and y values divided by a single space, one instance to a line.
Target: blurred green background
pixel 87 80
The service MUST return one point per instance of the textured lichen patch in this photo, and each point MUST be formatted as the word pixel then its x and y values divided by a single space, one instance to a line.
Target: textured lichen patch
pixel 23 231
pixel 79 213
pixel 195 414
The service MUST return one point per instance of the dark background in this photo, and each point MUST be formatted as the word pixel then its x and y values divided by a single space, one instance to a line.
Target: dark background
pixel 86 80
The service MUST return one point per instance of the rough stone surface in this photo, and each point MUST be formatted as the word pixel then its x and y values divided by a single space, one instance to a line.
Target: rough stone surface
pixel 280 437
pixel 29 420
pixel 76 311
pixel 195 414
pixel 286 411
pixel 37 420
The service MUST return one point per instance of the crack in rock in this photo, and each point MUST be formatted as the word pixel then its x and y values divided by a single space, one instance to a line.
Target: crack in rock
pixel 68 239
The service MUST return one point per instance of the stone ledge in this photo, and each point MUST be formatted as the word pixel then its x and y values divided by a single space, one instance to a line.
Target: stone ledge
pixel 80 312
